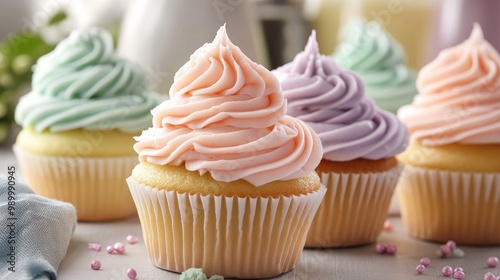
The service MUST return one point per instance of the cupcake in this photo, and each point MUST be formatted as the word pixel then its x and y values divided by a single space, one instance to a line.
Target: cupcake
pixel 451 183
pixel 78 121
pixel 360 141
pixel 379 59
pixel 226 180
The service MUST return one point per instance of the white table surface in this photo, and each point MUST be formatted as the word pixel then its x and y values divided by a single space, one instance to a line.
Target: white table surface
pixel 351 263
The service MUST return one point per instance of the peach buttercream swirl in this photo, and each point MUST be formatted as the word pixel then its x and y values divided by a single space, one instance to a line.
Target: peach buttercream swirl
pixel 226 116
pixel 459 96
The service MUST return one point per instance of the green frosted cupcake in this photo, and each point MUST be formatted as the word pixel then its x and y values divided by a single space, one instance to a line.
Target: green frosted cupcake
pixel 380 61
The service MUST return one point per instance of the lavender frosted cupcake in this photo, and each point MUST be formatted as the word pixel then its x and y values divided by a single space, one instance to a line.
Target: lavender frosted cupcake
pixel 359 140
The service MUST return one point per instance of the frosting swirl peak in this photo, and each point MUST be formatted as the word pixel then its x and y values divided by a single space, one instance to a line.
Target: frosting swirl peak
pixel 226 116
pixel 333 103
pixel 459 96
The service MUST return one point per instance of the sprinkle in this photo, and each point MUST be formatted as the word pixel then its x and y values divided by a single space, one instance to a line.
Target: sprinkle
pixel 193 273
pixel 95 247
pixel 387 225
pixel 445 250
pixel 95 265
pixel 381 248
pixel 492 262
pixel 391 249
pixel 131 273
pixel 131 239
pixel 425 261
pixel 447 271
pixel 452 245
pixel 197 273
pixel 489 276
pixel 110 249
pixel 459 253
pixel 420 269
pixel 119 247
pixel 439 253
pixel 458 275
pixel 458 269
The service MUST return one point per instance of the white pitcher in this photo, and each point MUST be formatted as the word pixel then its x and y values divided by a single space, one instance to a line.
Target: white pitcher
pixel 161 35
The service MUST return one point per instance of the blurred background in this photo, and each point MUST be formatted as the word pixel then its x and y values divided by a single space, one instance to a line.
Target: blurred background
pixel 161 35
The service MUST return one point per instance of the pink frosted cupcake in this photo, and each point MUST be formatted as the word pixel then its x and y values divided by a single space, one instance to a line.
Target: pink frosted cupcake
pixel 359 140
pixel 226 180
pixel 450 188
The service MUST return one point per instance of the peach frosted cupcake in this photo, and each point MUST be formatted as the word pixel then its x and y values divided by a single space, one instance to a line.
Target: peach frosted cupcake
pixel 359 140
pixel 451 184
pixel 78 125
pixel 226 181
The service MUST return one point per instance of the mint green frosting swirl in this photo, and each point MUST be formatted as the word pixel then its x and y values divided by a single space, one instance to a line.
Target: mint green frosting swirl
pixel 83 84
pixel 380 61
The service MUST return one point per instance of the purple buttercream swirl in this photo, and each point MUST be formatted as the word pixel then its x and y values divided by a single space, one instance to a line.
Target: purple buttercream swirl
pixel 333 102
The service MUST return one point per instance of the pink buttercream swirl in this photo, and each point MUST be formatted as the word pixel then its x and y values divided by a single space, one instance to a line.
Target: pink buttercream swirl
pixel 459 96
pixel 333 102
pixel 226 116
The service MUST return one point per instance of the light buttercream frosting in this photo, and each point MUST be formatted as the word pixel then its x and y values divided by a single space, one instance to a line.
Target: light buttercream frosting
pixel 226 116
pixel 333 102
pixel 459 96
pixel 82 84
pixel 380 61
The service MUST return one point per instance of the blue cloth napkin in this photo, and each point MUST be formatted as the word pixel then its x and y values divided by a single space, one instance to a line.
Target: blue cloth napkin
pixel 34 231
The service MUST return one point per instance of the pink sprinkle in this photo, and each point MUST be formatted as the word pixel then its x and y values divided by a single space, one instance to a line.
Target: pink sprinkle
pixel 387 225
pixel 458 269
pixel 110 249
pixel 131 239
pixel 381 248
pixel 131 273
pixel 445 250
pixel 489 276
pixel 492 262
pixel 447 271
pixel 452 245
pixel 420 269
pixel 119 247
pixel 95 247
pixel 425 261
pixel 391 249
pixel 458 275
pixel 95 265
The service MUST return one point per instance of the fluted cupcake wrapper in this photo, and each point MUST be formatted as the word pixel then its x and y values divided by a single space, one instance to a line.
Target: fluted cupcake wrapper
pixel 95 186
pixel 354 208
pixel 441 205
pixel 394 205
pixel 229 236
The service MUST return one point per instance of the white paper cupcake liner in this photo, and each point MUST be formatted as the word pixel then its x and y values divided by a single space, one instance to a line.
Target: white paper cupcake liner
pixel 229 236
pixel 394 205
pixel 441 205
pixel 95 186
pixel 354 208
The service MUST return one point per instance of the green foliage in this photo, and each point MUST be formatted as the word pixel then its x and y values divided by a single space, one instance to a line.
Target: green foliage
pixel 57 18
pixel 18 53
